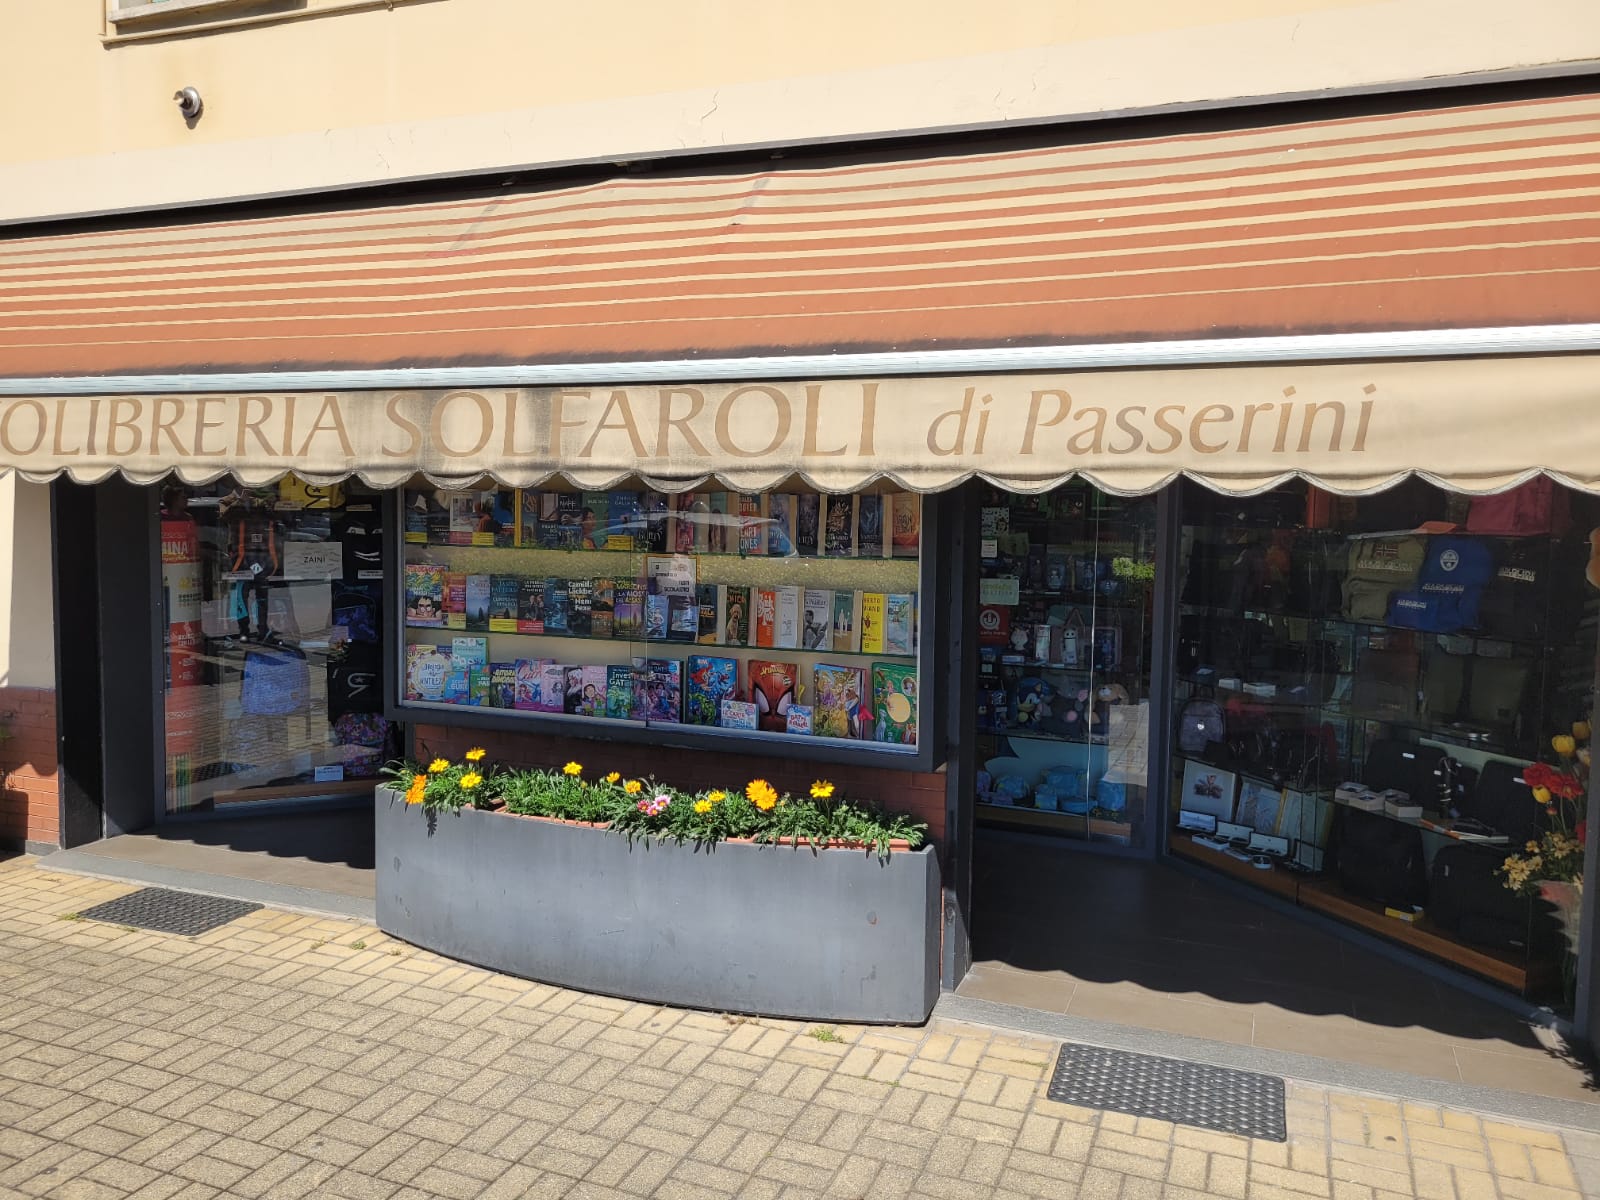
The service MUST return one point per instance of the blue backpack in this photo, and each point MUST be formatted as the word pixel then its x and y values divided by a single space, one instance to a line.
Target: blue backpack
pixel 1449 587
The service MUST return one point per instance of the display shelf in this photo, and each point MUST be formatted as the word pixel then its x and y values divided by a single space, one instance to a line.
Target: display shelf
pixel 641 645
pixel 1431 822
pixel 1532 645
pixel 1277 879
pixel 1094 739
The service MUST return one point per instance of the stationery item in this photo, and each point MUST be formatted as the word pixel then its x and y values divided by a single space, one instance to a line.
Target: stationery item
pixel 773 688
pixel 708 682
pixel 894 703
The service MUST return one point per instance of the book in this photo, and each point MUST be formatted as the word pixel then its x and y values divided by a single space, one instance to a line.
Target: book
pixel 653 510
pixel 738 714
pixel 807 523
pixel 580 607
pixel 602 608
pixel 530 606
pixel 894 703
pixel 478 603
pixel 414 523
pixel 497 518
pixel 529 677
pixel 872 619
pixel 816 619
pixel 707 683
pixel 619 692
pixel 836 701
pixel 773 688
pixel 838 527
pixel 799 719
pixel 625 527
pixel 463 517
pixel 480 687
pixel 426 666
pixel 592 695
pixel 504 593
pixel 594 520
pixel 847 621
pixel 571 689
pixel 436 518
pixel 681 534
pixel 457 684
pixel 905 524
pixel 899 623
pixel 663 691
pixel 733 614
pixel 424 595
pixel 555 606
pixel 627 603
pixel 717 524
pixel 764 622
pixel 552 687
pixel 780 523
pixel 786 630
pixel 528 518
pixel 709 632
pixel 657 613
pixel 470 651
pixel 869 525
pixel 683 619
pixel 455 600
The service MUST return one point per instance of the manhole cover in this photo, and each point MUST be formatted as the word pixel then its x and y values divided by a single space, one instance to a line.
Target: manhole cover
pixel 1187 1093
pixel 167 911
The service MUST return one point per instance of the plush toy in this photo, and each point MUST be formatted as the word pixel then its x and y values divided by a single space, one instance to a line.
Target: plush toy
pixel 1033 702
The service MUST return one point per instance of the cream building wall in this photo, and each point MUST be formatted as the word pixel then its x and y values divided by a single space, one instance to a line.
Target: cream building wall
pixel 27 620
pixel 302 95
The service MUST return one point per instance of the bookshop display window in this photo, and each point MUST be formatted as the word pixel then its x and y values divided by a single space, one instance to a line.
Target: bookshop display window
pixel 1066 596
pixel 792 616
pixel 273 665
pixel 1362 688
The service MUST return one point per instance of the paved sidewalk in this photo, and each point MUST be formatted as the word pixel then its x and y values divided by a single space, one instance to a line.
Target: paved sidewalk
pixel 289 1055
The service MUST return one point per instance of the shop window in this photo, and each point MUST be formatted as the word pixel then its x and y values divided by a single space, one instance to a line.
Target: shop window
pixel 1362 685
pixel 274 666
pixel 1063 699
pixel 793 617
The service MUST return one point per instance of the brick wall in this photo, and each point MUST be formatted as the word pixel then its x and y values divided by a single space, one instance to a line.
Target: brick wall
pixel 918 793
pixel 29 780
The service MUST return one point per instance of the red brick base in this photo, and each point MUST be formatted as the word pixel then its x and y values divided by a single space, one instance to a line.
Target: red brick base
pixel 921 794
pixel 30 788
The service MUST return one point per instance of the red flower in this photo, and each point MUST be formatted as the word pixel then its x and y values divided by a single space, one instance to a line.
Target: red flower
pixel 1539 775
pixel 1564 785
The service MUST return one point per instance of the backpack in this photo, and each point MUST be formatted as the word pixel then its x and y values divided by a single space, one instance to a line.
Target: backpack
pixel 276 682
pixel 1515 599
pixel 355 680
pixel 1538 506
pixel 1449 587
pixel 1416 770
pixel 1504 802
pixel 1379 566
pixel 356 609
pixel 1379 859
pixel 1199 724
pixel 1468 898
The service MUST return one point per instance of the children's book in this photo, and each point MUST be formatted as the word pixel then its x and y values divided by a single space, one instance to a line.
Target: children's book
pixel 530 606
pixel 480 688
pixel 786 631
pixel 424 595
pixel 764 625
pixel 580 607
pixel 708 682
pixel 572 690
pixel 663 691
pixel 894 703
pixel 807 523
pixel 529 679
pixel 899 623
pixel 552 687
pixel 774 687
pixel 555 606
pixel 816 619
pixel 455 600
pixel 619 692
pixel 836 701
pixel 709 632
pixel 457 684
pixel 683 619
pixel 657 616
pixel 602 608
pixel 872 619
pixel 733 614
pixel 905 523
pixel 595 683
pixel 780 523
pixel 478 603
pixel 847 621
pixel 426 667
pixel 470 651
pixel 799 718
pixel 838 527
pixel 869 525
pixel 752 533
pixel 738 714
pixel 504 591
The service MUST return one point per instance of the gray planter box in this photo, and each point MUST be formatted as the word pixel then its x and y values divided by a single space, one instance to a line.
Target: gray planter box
pixel 831 935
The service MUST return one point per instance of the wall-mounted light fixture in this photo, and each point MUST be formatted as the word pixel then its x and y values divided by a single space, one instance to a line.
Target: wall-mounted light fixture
pixel 189 102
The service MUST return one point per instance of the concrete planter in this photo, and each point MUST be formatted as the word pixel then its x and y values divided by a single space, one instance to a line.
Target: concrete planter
pixel 831 935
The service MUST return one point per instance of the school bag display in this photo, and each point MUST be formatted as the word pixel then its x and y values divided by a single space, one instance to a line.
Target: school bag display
pixel 1378 567
pixel 1468 897
pixel 1449 587
pixel 1378 859
pixel 276 682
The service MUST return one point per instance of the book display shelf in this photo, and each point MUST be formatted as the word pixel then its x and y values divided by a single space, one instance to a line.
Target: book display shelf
pixel 1359 683
pixel 1064 629
pixel 790 617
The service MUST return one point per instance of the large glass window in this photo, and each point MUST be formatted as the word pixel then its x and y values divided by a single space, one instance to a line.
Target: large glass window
pixel 273 661
pixel 1364 687
pixel 1063 700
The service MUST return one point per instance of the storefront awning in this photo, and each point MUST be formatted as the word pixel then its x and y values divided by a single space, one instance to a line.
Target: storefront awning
pixel 1453 218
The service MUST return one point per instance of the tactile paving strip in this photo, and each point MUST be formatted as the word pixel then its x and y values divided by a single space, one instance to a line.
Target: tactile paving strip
pixel 167 911
pixel 1143 1085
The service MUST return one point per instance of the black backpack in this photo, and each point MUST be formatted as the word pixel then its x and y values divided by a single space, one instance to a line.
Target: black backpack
pixel 1379 859
pixel 1505 803
pixel 1469 899
pixel 1418 771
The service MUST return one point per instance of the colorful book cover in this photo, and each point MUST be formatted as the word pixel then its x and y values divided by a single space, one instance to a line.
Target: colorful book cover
pixel 733 614
pixel 619 692
pixel 774 687
pixel 478 603
pixel 625 526
pixel 872 618
pixel 752 534
pixel 627 602
pixel 807 523
pixel 780 523
pixel 594 520
pixel 683 619
pixel 799 718
pixel 595 691
pixel 571 689
pixel 415 518
pixel 552 688
pixel 463 517
pixel 899 623
pixel 709 632
pixel 424 595
pixel 738 714
pixel 602 608
pixel 681 534
pixel 504 597
pixel 567 521
pixel 654 511
pixel 530 678
pixel 530 605
pixel 816 620
pixel 764 625
pixel 480 688
pixel 497 517
pixel 905 523
pixel 426 667
pixel 657 613
pixel 786 631
pixel 455 600
pixel 894 703
pixel 436 516
pixel 555 606
pixel 580 607
pixel 847 621
pixel 528 533
pixel 718 523
pixel 708 682
pixel 548 528
pixel 457 684
pixel 838 527
pixel 836 701
pixel 663 691
pixel 869 525
pixel 470 651
pixel 503 685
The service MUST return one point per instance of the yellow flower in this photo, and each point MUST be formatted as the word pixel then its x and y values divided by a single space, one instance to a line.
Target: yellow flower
pixel 1531 847
pixel 470 780
pixel 572 768
pixel 702 807
pixel 1580 730
pixel 438 766
pixel 716 797
pixel 475 754
pixel 633 787
pixel 762 794
pixel 1563 744
pixel 419 785
pixel 821 790
pixel 613 777
pixel 1541 795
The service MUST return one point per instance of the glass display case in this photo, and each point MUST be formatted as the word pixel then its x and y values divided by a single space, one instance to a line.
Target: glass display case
pixel 1066 598
pixel 792 616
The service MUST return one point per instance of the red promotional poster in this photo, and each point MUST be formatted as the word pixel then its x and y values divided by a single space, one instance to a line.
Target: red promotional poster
pixel 994 624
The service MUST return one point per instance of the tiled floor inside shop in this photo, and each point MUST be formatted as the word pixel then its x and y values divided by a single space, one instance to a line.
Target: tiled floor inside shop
pixel 1153 946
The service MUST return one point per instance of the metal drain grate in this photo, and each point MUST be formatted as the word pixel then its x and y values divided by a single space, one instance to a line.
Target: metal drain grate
pixel 1187 1093
pixel 167 911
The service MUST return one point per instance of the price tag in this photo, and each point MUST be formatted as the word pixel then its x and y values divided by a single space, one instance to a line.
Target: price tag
pixel 989 548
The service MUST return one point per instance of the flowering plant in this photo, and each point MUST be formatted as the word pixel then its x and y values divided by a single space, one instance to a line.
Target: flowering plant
pixel 1561 790
pixel 445 784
